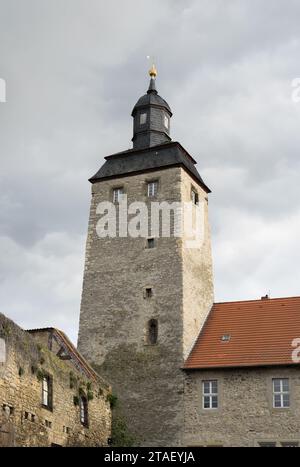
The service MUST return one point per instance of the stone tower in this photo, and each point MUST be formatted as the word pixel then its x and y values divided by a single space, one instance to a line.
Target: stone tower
pixel 145 298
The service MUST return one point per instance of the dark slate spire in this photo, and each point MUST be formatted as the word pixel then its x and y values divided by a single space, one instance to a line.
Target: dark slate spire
pixel 152 88
pixel 151 114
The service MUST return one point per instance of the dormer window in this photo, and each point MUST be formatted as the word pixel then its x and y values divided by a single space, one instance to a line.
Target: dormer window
pixel 143 118
pixel 166 121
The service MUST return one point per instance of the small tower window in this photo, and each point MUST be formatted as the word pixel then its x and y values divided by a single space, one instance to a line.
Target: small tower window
pixel 143 118
pixel 148 292
pixel 152 189
pixel 150 243
pixel 152 331
pixel 166 121
pixel 195 197
pixel 117 194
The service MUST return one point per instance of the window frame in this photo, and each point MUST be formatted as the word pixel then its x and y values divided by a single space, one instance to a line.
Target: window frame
pixel 83 411
pixel 148 292
pixel 143 118
pixel 2 350
pixel 210 395
pixel 194 197
pixel 267 444
pixel 152 331
pixel 47 402
pixel 117 192
pixel 289 444
pixel 150 241
pixel 281 393
pixel 152 193
pixel 166 122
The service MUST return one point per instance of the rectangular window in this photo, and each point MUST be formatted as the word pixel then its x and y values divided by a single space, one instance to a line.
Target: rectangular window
pixel 47 392
pixel 118 193
pixel 150 243
pixel 210 394
pixel 281 393
pixel 143 118
pixel 166 121
pixel 267 444
pixel 195 197
pixel 152 189
pixel 2 350
pixel 149 293
pixel 290 444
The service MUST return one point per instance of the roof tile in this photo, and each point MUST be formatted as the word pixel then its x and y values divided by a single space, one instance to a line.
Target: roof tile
pixel 261 333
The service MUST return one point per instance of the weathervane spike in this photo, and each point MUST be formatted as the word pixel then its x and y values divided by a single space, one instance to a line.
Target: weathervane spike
pixel 153 70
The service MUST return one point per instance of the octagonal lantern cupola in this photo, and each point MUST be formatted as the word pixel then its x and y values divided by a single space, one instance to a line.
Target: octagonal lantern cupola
pixel 151 118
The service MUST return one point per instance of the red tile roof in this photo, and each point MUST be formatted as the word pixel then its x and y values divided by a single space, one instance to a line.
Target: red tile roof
pixel 260 333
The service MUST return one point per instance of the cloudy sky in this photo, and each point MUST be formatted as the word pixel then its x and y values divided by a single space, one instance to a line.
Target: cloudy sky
pixel 75 68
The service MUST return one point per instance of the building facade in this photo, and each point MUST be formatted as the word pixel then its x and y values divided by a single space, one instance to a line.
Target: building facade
pixel 49 395
pixel 243 376
pixel 136 322
pixel 187 372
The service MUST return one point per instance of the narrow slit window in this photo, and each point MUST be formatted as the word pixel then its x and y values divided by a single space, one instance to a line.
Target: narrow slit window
pixel 195 197
pixel 152 331
pixel 2 350
pixel 47 392
pixel 148 292
pixel 84 411
pixel 166 121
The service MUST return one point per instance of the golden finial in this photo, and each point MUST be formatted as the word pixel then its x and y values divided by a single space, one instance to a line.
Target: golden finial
pixel 153 71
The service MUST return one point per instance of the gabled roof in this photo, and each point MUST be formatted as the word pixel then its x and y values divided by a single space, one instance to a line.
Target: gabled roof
pixel 247 333
pixel 77 359
pixel 158 157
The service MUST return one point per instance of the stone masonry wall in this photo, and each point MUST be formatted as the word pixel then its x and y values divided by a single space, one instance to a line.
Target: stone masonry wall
pixel 198 287
pixel 147 379
pixel 245 416
pixel 21 412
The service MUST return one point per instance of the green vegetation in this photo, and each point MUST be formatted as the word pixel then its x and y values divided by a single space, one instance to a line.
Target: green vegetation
pixel 120 434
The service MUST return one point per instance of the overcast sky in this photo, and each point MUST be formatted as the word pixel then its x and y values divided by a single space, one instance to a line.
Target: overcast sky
pixel 75 68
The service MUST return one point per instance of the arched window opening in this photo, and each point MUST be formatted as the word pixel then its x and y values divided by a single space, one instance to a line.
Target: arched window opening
pixel 152 331
pixel 84 411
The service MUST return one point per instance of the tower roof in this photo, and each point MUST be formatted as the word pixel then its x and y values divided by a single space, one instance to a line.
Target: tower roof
pixel 151 117
pixel 134 161
pixel 151 98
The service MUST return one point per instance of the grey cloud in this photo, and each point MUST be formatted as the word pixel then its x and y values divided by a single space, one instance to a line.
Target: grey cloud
pixel 75 69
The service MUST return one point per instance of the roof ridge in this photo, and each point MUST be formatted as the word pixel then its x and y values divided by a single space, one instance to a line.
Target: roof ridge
pixel 258 300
